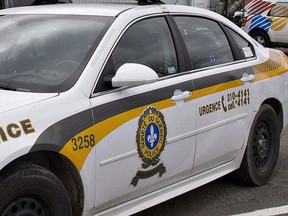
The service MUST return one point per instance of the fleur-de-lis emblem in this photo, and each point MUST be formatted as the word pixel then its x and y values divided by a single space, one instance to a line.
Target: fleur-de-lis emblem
pixel 152 137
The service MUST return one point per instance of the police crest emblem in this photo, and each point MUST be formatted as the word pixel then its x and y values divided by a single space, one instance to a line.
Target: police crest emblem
pixel 151 140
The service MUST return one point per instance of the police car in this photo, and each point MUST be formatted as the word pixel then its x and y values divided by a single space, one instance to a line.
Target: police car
pixel 110 109
pixel 266 21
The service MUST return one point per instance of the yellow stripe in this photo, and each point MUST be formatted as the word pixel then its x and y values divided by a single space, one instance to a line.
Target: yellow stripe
pixel 273 67
pixel 78 157
pixel 107 126
pixel 102 129
pixel 214 89
pixel 279 24
pixel 279 11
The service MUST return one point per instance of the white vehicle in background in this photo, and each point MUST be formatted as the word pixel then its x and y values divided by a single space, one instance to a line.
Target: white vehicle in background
pixel 109 109
pixel 266 21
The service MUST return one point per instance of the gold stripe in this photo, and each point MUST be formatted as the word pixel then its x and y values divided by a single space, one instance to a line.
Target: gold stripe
pixel 102 129
pixel 78 157
pixel 275 66
pixel 279 11
pixel 214 89
pixel 279 24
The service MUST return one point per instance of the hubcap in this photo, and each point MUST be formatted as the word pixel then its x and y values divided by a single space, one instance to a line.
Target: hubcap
pixel 262 147
pixel 260 40
pixel 25 206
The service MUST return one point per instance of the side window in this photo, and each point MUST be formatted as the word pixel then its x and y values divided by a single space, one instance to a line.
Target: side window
pixel 280 10
pixel 23 3
pixel 206 43
pixel 146 42
pixel 245 47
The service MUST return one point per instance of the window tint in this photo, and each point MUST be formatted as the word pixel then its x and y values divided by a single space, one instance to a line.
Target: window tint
pixel 280 10
pixel 245 47
pixel 149 43
pixel 19 3
pixel 1 4
pixel 23 3
pixel 206 42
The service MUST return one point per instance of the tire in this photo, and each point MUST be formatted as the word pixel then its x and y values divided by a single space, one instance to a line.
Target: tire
pixel 262 150
pixel 29 189
pixel 262 38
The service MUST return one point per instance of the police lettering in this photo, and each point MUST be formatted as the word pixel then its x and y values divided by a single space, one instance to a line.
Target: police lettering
pixel 209 108
pixel 15 130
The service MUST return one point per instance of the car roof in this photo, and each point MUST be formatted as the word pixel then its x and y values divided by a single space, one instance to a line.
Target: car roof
pixel 99 9
pixel 113 10
pixel 107 9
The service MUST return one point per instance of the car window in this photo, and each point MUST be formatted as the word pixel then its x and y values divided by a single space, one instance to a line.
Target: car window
pixel 246 49
pixel 21 3
pixel 146 42
pixel 280 10
pixel 206 43
pixel 47 53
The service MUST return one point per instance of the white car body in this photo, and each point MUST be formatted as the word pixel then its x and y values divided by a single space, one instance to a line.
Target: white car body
pixel 207 123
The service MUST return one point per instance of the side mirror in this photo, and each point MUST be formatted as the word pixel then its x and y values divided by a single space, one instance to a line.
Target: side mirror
pixel 132 74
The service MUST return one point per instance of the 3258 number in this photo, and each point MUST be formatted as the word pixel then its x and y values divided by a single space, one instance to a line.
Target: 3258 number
pixel 83 142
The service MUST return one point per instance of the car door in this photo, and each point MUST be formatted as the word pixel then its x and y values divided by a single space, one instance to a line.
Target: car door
pixel 279 18
pixel 145 133
pixel 222 89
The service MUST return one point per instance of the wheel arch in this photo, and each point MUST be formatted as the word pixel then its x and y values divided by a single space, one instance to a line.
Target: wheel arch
pixel 254 30
pixel 257 30
pixel 63 168
pixel 277 107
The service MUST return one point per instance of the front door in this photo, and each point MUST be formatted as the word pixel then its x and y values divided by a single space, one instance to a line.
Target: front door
pixel 145 134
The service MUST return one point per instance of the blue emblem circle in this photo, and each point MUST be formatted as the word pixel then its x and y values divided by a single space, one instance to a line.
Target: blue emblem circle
pixel 152 136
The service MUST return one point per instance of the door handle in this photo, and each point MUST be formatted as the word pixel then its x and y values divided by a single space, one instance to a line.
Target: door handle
pixel 247 77
pixel 179 96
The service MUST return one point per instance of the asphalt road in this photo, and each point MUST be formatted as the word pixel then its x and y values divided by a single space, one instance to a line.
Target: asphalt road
pixel 225 197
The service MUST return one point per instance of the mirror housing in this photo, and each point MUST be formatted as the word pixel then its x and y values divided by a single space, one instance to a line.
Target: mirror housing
pixel 132 74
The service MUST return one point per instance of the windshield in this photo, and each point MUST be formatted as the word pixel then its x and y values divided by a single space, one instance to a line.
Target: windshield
pixel 47 53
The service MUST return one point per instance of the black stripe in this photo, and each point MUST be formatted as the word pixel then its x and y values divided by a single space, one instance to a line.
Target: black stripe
pixel 57 135
pixel 114 108
pixel 217 79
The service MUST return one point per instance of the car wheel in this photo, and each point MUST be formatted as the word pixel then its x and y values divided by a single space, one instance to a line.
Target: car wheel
pixel 262 38
pixel 28 189
pixel 262 149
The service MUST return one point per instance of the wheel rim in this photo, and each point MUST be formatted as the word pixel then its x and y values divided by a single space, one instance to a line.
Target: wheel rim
pixel 24 206
pixel 262 147
pixel 260 40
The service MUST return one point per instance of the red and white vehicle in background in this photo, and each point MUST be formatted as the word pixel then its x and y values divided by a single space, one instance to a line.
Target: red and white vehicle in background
pixel 266 21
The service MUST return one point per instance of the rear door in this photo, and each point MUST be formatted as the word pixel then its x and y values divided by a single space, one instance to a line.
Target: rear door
pixel 222 89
